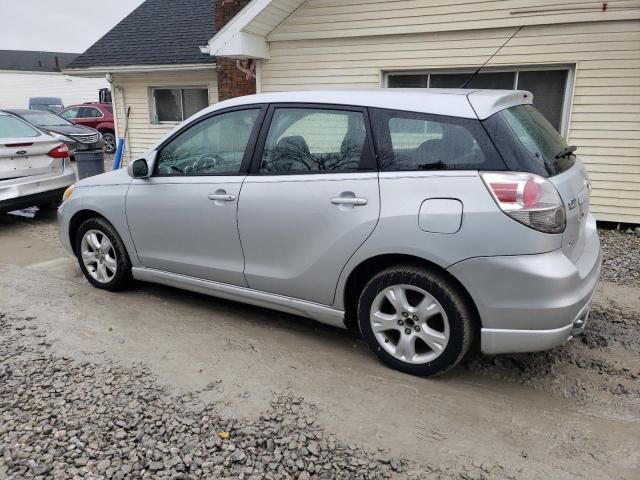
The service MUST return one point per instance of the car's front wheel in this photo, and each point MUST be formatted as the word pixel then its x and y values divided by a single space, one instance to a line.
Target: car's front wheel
pixel 102 256
pixel 415 320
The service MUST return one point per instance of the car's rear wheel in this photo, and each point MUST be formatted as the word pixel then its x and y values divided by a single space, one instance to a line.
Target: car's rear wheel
pixel 102 256
pixel 109 142
pixel 415 320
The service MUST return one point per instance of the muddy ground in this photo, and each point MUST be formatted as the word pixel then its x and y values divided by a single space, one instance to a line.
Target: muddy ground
pixel 573 412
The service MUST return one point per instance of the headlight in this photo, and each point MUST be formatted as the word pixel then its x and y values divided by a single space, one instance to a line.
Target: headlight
pixel 67 193
pixel 62 138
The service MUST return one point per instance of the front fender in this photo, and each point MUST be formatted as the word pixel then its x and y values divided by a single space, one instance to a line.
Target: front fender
pixel 109 202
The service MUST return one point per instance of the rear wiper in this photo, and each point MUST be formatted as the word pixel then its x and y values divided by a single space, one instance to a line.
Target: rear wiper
pixel 566 151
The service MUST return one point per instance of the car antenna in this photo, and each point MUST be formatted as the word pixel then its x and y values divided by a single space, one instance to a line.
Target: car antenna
pixel 468 80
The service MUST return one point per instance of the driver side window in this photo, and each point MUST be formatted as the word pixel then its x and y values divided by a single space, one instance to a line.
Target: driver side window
pixel 214 146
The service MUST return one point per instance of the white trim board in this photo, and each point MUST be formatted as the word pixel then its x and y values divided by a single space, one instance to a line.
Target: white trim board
pixel 101 71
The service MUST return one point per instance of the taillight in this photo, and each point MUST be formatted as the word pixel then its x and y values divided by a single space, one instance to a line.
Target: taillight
pixel 530 199
pixel 59 151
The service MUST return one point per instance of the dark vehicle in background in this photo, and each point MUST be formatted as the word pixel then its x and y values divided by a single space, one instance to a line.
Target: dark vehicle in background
pixel 51 104
pixel 75 137
pixel 95 115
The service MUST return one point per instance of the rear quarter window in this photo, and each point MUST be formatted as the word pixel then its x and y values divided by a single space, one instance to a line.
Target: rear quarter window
pixel 422 142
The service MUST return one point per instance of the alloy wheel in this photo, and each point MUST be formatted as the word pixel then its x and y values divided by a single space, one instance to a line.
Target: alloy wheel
pixel 98 256
pixel 409 323
pixel 109 143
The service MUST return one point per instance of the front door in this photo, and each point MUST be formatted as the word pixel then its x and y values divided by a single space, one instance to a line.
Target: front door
pixel 183 219
pixel 312 199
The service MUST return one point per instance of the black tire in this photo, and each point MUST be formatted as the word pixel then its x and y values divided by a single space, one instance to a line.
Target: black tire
pixel 460 315
pixel 109 141
pixel 122 277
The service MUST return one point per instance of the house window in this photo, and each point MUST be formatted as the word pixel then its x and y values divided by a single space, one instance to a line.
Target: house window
pixel 550 86
pixel 175 104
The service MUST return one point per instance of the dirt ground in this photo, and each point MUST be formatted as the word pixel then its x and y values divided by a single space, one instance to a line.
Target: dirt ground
pixel 570 413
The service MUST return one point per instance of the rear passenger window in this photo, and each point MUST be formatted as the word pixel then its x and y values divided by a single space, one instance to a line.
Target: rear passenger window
pixel 306 140
pixel 415 141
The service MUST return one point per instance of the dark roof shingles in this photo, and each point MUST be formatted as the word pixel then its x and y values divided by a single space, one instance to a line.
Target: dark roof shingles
pixel 158 32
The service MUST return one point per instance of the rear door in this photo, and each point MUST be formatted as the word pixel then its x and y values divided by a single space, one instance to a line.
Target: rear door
pixel 312 199
pixel 23 150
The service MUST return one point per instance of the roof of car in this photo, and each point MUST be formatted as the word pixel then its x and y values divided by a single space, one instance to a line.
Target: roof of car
pixel 22 111
pixel 158 32
pixel 464 103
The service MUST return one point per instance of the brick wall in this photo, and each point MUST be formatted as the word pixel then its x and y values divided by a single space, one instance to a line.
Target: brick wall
pixel 231 81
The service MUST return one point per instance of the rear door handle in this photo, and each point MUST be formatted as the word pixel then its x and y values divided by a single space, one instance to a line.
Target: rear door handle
pixel 222 197
pixel 355 201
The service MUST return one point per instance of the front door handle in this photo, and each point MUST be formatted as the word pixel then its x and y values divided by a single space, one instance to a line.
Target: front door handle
pixel 222 197
pixel 355 201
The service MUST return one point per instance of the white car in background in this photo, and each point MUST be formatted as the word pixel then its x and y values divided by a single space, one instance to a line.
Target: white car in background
pixel 35 168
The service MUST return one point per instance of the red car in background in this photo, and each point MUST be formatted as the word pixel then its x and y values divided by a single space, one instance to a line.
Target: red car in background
pixel 95 115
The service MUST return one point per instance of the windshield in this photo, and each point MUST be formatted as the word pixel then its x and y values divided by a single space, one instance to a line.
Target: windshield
pixel 11 127
pixel 528 142
pixel 45 119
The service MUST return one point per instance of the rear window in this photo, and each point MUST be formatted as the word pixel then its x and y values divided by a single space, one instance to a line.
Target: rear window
pixel 11 127
pixel 528 142
pixel 416 141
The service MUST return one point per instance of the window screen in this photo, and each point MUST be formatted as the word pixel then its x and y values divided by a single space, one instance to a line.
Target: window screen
pixel 415 141
pixel 168 105
pixel 548 88
pixel 195 99
pixel 408 81
pixel 493 80
pixel 176 104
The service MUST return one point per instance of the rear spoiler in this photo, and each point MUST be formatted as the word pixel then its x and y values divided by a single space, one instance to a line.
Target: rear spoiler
pixel 485 102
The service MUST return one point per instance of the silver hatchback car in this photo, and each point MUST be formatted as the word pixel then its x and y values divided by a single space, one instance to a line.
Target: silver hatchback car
pixel 427 219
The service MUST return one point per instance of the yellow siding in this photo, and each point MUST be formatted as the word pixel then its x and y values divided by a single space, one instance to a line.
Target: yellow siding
pixel 605 112
pixel 141 133
pixel 322 18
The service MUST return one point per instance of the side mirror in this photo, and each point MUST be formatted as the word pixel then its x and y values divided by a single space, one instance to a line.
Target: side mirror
pixel 138 168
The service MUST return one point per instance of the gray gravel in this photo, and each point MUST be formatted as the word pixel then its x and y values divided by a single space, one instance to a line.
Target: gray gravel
pixel 62 418
pixel 621 257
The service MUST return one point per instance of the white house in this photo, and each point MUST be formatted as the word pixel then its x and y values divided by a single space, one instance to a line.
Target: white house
pixel 580 59
pixel 25 74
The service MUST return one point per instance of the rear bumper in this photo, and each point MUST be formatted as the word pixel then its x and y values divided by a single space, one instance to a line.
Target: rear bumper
pixel 24 192
pixel 503 340
pixel 532 302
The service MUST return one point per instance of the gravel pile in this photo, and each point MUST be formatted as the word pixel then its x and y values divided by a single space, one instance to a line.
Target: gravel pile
pixel 621 257
pixel 65 419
